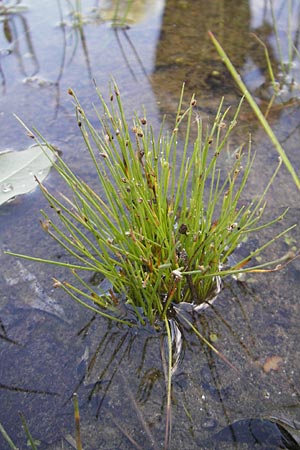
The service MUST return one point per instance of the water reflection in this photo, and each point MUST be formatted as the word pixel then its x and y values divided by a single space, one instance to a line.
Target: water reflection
pixel 124 371
pixel 177 49
pixel 278 24
pixel 19 36
pixel 184 52
pixel 71 48
pixel 128 12
pixel 16 40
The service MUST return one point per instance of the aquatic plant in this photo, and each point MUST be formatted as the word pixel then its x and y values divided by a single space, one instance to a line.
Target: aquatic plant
pixel 159 231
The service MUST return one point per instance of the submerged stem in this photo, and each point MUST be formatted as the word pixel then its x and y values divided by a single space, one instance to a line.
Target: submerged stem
pixel 168 376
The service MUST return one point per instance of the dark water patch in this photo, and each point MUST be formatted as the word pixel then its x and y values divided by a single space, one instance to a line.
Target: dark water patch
pixel 256 433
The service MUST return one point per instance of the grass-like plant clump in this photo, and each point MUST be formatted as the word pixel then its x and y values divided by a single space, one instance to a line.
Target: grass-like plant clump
pixel 162 226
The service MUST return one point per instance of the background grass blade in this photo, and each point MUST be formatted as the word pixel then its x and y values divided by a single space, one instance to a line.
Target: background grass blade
pixel 255 108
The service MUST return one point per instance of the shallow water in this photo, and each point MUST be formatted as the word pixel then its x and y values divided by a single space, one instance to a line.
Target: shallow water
pixel 117 373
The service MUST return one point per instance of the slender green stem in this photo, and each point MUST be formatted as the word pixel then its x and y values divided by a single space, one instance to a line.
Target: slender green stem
pixel 255 109
pixel 7 438
pixel 168 430
pixel 27 432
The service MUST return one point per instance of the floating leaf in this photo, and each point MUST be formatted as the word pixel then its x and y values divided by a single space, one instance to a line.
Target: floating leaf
pixel 272 363
pixel 18 170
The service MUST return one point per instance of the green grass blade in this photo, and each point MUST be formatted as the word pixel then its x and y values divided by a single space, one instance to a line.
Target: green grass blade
pixel 7 438
pixel 255 109
pixel 31 441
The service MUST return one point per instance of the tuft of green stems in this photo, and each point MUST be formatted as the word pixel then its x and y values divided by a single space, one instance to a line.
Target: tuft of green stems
pixel 165 220
pixel 160 228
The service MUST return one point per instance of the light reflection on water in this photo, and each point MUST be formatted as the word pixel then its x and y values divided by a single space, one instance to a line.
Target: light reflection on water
pixel 164 46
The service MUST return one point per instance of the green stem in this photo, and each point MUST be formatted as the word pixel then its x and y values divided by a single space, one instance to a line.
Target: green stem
pixel 27 432
pixel 169 386
pixel 255 109
pixel 7 438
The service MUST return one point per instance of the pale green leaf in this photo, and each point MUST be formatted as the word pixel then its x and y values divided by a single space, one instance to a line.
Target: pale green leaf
pixel 19 169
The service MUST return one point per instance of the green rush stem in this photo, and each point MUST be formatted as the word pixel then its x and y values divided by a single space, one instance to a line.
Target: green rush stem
pixel 27 432
pixel 265 225
pixel 70 251
pixel 49 261
pixel 234 271
pixel 7 438
pixel 67 288
pixel 267 56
